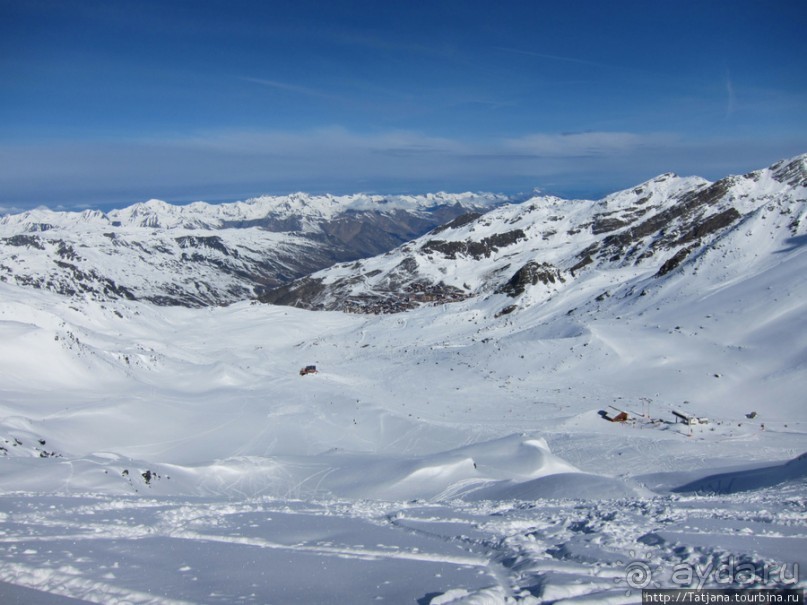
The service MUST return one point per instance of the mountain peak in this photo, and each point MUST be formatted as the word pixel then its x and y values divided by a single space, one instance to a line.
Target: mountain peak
pixel 631 240
pixel 662 187
pixel 792 172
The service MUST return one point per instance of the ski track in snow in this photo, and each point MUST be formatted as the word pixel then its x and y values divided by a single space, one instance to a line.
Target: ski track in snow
pixel 100 549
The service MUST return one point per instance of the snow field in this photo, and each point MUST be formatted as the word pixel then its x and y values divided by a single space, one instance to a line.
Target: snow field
pixel 172 550
pixel 444 455
pixel 436 457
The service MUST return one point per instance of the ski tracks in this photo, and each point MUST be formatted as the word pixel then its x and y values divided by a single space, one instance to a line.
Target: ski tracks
pixel 91 547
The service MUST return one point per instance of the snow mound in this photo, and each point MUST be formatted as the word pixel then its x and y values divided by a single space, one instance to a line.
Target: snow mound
pixel 457 473
pixel 750 479
pixel 494 595
pixel 558 486
pixel 510 460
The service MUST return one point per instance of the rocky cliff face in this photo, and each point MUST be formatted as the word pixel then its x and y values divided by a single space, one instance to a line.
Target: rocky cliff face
pixel 530 251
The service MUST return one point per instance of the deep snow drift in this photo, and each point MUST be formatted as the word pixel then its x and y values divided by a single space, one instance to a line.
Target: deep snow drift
pixel 444 455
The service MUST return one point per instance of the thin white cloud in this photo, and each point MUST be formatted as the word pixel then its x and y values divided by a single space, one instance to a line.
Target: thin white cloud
pixel 315 143
pixel 551 57
pixel 291 88
pixel 586 144
pixel 731 97
pixel 11 209
pixel 231 164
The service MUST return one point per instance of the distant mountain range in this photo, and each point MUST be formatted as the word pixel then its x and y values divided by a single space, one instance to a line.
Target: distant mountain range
pixel 385 254
pixel 202 254
pixel 629 242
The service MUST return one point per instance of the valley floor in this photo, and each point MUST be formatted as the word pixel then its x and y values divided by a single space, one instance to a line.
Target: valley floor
pixel 177 456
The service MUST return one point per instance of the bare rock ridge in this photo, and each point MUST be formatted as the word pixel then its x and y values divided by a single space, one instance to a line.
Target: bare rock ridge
pixel 532 250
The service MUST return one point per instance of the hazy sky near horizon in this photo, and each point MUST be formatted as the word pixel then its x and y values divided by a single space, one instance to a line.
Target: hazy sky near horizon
pixel 111 102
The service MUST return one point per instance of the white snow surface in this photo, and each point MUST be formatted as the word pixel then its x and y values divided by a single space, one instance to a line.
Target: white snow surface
pixel 444 455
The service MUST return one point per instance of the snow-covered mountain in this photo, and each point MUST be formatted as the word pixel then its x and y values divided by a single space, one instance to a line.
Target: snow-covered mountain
pixel 523 445
pixel 203 254
pixel 641 238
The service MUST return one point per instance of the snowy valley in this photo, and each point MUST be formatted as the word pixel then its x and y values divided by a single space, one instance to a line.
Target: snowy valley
pixel 537 402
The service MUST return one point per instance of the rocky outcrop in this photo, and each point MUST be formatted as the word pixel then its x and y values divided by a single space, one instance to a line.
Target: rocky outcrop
pixel 530 275
pixel 482 248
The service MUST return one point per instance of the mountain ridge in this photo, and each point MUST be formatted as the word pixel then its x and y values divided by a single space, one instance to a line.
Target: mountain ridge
pixel 381 254
pixel 531 250
pixel 203 254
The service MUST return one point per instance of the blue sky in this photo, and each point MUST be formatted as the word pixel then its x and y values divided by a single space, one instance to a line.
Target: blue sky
pixel 105 103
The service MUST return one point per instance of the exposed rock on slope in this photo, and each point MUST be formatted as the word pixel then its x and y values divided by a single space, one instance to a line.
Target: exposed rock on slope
pixel 202 254
pixel 532 250
pixel 529 275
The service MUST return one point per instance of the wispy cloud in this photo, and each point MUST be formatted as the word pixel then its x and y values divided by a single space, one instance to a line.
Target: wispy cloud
pixel 581 144
pixel 551 57
pixel 292 88
pixel 11 209
pixel 731 97
pixel 236 164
